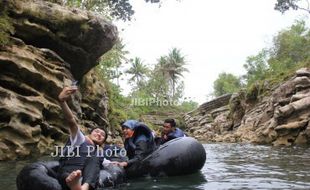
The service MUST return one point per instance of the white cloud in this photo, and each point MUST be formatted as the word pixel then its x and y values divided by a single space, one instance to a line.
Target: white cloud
pixel 215 36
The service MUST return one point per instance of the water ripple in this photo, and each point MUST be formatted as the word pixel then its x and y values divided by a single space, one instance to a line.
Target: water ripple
pixel 228 166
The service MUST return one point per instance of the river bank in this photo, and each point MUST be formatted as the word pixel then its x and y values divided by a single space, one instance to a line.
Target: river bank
pixel 266 114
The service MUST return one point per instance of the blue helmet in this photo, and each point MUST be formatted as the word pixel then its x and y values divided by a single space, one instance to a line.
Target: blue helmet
pixel 131 124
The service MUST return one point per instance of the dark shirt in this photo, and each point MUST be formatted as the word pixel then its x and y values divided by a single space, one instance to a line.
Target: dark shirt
pixel 172 135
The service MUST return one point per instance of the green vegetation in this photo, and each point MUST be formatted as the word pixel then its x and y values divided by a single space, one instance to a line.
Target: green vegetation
pixel 157 90
pixel 172 66
pixel 120 9
pixel 256 67
pixel 165 84
pixel 138 72
pixel 6 27
pixel 108 70
pixel 226 83
pixel 289 52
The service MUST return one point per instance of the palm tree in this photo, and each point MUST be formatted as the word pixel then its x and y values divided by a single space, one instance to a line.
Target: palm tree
pixel 138 71
pixel 162 67
pixel 172 67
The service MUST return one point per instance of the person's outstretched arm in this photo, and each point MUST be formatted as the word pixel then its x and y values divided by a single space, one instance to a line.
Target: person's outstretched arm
pixel 69 117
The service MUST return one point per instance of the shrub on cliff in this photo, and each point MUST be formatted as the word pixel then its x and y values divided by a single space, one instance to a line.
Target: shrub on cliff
pixel 6 27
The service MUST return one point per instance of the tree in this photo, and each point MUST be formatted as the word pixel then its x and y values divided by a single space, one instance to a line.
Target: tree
pixel 119 9
pixel 256 67
pixel 138 71
pixel 172 67
pixel 291 46
pixel 179 91
pixel 158 87
pixel 111 62
pixel 226 83
pixel 175 63
pixel 285 5
pixel 164 83
pixel 289 51
pixel 161 68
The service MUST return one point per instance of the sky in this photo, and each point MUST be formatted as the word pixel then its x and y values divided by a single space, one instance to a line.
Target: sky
pixel 214 36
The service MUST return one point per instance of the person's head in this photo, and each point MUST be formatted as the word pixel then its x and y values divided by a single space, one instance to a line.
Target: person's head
pixel 98 135
pixel 169 126
pixel 128 128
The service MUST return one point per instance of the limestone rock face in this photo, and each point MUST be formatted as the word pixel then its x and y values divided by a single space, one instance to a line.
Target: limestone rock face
pixel 95 99
pixel 78 37
pixel 209 120
pixel 281 118
pixel 51 47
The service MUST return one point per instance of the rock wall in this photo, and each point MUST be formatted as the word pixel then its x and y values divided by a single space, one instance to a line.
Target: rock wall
pixel 156 119
pixel 52 46
pixel 216 103
pixel 282 118
pixel 199 122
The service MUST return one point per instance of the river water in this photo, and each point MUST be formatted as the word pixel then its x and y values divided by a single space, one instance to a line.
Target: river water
pixel 228 166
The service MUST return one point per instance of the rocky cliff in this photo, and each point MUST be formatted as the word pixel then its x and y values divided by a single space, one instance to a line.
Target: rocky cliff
pixel 52 45
pixel 278 117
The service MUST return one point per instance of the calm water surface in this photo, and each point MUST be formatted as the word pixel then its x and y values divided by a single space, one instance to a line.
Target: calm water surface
pixel 228 166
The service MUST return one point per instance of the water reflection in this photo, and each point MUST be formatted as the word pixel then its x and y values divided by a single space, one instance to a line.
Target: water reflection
pixel 228 166
pixel 193 181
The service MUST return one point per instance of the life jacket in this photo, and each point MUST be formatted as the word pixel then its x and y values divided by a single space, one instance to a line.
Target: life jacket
pixel 141 133
pixel 77 158
pixel 175 134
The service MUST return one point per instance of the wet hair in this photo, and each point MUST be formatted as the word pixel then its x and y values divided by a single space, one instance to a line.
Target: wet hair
pixel 171 122
pixel 105 132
